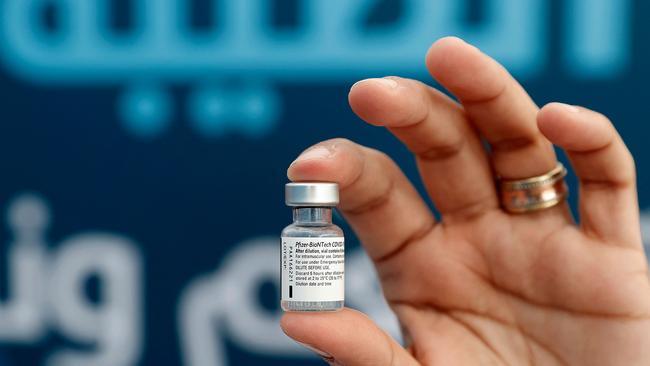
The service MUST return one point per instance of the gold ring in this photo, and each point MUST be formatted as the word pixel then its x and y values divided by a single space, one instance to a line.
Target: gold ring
pixel 536 193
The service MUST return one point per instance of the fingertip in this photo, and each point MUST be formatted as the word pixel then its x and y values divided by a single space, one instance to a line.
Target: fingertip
pixel 310 160
pixel 288 323
pixel 561 107
pixel 573 127
pixel 308 327
pixel 347 336
pixel 363 98
pixel 464 70
pixel 337 160
pixel 442 52
pixel 372 99
pixel 308 169
pixel 311 327
pixel 554 111
pixel 301 171
pixel 300 332
pixel 402 103
pixel 446 43
pixel 549 121
pixel 387 83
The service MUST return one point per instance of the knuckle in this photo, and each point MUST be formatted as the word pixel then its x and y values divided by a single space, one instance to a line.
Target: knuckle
pixel 441 151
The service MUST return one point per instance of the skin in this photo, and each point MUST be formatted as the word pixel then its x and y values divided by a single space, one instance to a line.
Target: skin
pixel 482 286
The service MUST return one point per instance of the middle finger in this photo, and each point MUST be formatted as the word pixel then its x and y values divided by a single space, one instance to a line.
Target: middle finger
pixel 497 105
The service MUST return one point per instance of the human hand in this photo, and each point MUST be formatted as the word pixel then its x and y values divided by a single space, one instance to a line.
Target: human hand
pixel 482 286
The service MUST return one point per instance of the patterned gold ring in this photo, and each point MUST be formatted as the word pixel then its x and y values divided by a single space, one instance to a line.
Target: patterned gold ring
pixel 536 193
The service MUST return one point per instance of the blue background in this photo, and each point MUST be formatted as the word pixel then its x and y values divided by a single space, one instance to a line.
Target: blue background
pixel 187 161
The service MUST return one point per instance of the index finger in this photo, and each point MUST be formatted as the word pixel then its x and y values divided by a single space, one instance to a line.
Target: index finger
pixel 379 202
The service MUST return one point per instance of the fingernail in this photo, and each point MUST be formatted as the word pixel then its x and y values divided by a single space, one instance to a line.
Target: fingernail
pixel 386 82
pixel 569 108
pixel 326 356
pixel 314 153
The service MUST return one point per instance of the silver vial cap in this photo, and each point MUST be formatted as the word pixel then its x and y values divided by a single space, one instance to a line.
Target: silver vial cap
pixel 315 194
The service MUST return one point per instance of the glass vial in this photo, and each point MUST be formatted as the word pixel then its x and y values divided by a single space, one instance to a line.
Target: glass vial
pixel 312 255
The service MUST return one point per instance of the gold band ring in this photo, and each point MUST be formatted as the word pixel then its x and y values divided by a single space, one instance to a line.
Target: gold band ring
pixel 536 193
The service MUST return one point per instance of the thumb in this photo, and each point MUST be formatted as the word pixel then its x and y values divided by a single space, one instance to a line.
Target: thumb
pixel 347 338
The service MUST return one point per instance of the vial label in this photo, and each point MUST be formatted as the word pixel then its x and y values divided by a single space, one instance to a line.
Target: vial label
pixel 313 269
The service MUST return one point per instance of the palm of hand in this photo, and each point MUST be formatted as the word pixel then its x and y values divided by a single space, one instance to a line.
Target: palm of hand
pixel 482 286
pixel 486 291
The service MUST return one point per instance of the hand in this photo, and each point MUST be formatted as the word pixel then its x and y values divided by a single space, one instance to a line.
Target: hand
pixel 481 286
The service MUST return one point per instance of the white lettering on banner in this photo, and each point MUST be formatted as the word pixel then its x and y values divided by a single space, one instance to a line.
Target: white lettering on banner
pixel 163 48
pixel 47 291
pixel 113 326
pixel 21 317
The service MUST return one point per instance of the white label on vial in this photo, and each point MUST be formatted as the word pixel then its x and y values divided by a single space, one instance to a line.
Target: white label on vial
pixel 313 269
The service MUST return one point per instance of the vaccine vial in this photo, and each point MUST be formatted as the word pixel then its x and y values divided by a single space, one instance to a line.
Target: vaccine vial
pixel 312 255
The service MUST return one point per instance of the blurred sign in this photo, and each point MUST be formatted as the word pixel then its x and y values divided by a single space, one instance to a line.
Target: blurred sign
pixel 47 291
pixel 331 45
